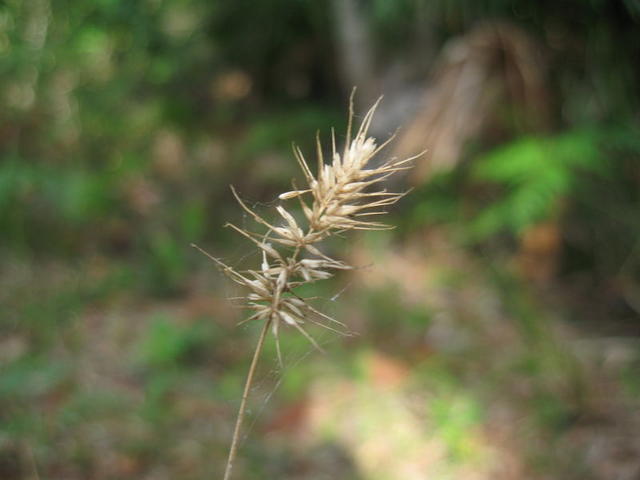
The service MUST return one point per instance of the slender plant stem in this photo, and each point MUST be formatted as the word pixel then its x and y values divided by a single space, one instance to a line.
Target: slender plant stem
pixel 243 403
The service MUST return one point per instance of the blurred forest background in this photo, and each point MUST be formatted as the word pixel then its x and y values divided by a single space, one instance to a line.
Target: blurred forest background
pixel 499 324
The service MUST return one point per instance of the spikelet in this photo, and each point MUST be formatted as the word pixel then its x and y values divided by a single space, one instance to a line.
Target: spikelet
pixel 337 198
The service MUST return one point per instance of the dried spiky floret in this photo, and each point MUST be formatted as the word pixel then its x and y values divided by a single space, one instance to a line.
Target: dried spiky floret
pixel 335 199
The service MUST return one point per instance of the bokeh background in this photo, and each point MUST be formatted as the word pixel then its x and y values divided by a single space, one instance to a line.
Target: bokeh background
pixel 498 324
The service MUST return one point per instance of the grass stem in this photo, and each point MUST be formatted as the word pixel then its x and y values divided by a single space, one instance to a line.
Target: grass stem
pixel 243 403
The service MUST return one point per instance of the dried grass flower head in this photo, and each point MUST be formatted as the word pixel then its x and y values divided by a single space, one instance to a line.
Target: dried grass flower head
pixel 340 196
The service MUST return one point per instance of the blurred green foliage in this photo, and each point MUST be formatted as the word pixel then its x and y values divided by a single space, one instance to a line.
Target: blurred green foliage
pixel 543 174
pixel 167 344
pixel 583 179
pixel 113 131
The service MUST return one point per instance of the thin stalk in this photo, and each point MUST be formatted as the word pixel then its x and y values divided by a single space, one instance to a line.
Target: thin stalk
pixel 243 403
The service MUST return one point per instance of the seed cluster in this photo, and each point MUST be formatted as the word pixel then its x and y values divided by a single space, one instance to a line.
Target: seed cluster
pixel 337 198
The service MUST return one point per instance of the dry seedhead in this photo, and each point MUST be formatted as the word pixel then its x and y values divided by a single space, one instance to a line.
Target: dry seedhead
pixel 335 199
pixel 339 197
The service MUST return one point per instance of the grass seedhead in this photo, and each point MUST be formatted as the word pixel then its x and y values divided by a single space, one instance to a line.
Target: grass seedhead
pixel 332 202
